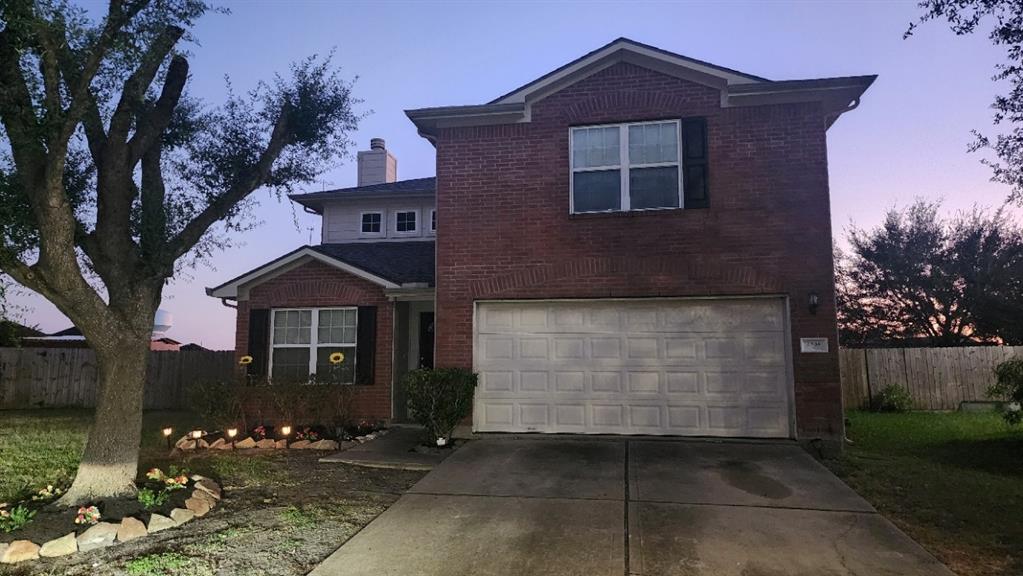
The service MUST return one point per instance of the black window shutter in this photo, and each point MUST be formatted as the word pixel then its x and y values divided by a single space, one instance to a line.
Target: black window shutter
pixel 259 340
pixel 694 163
pixel 365 348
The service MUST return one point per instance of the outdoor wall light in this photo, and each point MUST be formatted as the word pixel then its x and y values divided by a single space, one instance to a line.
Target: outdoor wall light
pixel 815 301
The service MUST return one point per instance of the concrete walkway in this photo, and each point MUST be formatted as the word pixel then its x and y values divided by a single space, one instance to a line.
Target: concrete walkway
pixel 396 450
pixel 625 506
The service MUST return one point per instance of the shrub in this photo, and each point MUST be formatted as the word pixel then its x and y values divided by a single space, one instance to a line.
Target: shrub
pixel 892 398
pixel 1008 386
pixel 439 398
pixel 216 402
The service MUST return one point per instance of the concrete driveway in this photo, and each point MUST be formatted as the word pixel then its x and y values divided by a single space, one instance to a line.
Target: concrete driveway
pixel 523 506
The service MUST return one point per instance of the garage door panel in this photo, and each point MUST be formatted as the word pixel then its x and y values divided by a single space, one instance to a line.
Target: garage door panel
pixel 708 367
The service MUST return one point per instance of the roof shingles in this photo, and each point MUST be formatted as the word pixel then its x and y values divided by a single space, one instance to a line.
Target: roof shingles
pixel 400 262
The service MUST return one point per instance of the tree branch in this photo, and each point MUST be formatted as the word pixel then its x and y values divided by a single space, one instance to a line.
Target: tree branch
pixel 138 83
pixel 221 205
pixel 151 125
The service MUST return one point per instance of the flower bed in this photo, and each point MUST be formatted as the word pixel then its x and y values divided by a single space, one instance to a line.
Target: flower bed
pixel 166 500
pixel 283 438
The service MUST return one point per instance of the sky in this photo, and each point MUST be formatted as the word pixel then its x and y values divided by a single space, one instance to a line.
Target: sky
pixel 907 139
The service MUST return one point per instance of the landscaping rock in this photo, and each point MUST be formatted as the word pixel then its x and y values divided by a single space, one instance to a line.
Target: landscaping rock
pixel 3 548
pixel 300 444
pixel 62 546
pixel 247 443
pixel 202 444
pixel 265 443
pixel 19 551
pixel 208 486
pixel 281 444
pixel 159 522
pixel 130 529
pixel 187 445
pixel 182 441
pixel 181 515
pixel 324 445
pixel 99 536
pixel 199 506
pixel 224 446
pixel 216 445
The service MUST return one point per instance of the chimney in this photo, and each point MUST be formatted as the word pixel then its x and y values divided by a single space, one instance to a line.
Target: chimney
pixel 377 165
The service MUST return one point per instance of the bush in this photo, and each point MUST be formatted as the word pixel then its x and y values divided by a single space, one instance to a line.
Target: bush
pixel 1008 386
pixel 892 398
pixel 216 402
pixel 439 398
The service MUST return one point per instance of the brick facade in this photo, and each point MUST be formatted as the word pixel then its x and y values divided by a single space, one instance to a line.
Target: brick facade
pixel 315 284
pixel 504 228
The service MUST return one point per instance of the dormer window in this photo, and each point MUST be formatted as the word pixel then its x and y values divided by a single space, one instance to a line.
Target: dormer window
pixel 372 224
pixel 405 222
pixel 625 167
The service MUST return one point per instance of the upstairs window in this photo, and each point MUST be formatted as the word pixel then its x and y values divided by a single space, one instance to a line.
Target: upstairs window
pixel 626 167
pixel 372 223
pixel 433 220
pixel 405 221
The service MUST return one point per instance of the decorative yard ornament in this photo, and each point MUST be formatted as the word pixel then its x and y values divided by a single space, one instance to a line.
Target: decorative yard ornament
pixel 336 358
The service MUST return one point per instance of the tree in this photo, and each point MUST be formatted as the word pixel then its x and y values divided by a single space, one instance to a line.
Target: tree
pixel 965 17
pixel 919 277
pixel 114 177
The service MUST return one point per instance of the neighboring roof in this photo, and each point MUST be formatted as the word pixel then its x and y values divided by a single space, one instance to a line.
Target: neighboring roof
pixel 838 95
pixel 400 262
pixel 412 187
pixel 72 331
pixel 390 265
pixel 192 346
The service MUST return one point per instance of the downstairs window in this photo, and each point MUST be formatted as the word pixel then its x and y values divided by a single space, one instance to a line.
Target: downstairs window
pixel 304 339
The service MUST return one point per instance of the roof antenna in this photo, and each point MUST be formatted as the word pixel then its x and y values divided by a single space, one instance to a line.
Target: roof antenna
pixel 310 234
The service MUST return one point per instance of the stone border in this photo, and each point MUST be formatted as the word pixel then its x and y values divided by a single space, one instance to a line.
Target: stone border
pixel 206 495
pixel 187 443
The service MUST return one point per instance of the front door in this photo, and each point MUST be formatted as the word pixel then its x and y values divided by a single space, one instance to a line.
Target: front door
pixel 426 339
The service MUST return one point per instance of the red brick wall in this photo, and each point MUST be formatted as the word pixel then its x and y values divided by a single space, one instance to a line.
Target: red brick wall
pixel 315 284
pixel 505 230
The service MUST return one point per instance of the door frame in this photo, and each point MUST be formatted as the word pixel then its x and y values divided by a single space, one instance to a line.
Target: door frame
pixel 786 329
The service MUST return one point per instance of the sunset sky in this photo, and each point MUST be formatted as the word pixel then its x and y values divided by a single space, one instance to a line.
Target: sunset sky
pixel 908 138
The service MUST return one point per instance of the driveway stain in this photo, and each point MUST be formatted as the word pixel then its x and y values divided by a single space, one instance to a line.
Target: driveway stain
pixel 748 477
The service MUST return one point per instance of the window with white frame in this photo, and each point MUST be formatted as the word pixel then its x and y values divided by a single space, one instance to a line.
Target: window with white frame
pixel 372 223
pixel 626 167
pixel 304 339
pixel 405 221
pixel 433 220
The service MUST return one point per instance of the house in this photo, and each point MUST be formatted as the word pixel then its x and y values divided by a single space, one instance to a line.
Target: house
pixel 637 242
pixel 72 338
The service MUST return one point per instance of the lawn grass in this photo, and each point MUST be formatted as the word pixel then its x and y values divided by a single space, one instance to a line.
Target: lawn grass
pixel 953 481
pixel 40 447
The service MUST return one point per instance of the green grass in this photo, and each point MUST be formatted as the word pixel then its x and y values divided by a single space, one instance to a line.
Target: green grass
pixel 167 564
pixel 40 447
pixel 953 481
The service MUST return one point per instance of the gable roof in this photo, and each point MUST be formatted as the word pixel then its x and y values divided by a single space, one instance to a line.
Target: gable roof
pixel 838 95
pixel 390 265
pixel 622 46
pixel 412 187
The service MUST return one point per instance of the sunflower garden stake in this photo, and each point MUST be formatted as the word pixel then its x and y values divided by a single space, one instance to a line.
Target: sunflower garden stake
pixel 336 359
pixel 245 361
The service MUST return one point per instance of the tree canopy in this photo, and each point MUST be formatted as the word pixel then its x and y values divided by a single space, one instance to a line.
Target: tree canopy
pixel 920 278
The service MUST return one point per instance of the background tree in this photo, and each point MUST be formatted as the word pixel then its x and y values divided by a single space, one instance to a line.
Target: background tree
pixel 112 177
pixel 920 277
pixel 1006 17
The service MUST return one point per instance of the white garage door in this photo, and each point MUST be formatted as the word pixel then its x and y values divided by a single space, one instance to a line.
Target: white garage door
pixel 714 367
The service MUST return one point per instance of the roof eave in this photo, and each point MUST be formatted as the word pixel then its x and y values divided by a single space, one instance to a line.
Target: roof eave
pixel 230 288
pixel 429 120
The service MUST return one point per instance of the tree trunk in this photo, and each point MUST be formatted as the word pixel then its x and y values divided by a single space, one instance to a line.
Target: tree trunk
pixel 110 461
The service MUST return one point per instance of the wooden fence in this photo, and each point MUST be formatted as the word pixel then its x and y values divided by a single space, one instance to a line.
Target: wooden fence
pixel 936 378
pixel 64 377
